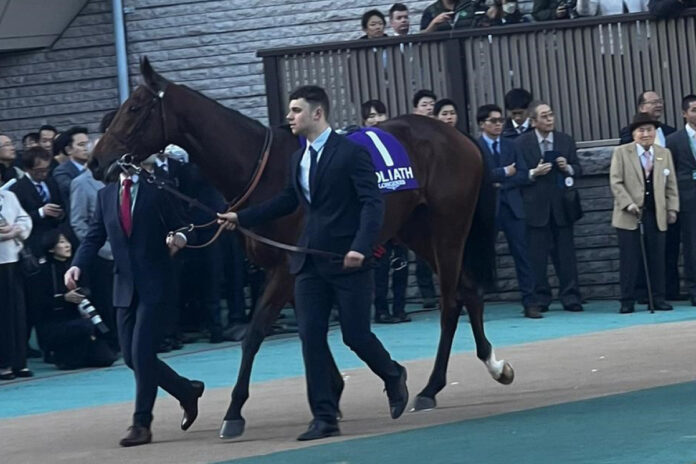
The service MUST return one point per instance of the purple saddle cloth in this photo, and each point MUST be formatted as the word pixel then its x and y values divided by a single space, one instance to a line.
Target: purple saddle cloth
pixel 392 164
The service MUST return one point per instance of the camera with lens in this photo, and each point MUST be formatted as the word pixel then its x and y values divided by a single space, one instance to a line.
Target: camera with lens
pixel 570 6
pixel 88 310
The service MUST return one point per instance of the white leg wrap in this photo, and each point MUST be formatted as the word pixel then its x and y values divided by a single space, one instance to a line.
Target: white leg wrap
pixel 494 366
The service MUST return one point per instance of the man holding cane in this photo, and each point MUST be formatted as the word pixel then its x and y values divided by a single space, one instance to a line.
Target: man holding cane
pixel 643 182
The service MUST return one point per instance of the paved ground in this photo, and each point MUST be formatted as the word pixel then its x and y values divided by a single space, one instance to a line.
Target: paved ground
pixel 593 387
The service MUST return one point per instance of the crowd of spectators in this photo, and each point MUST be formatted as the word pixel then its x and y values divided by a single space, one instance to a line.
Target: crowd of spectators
pixel 446 15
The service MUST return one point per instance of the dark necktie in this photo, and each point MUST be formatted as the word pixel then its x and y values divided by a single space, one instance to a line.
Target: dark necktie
pixel 496 154
pixel 125 209
pixel 312 169
pixel 42 193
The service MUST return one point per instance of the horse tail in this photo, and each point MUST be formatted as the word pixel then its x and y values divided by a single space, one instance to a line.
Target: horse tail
pixel 479 251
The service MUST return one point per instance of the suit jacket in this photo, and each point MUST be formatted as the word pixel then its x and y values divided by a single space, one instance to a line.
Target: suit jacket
pixel 628 185
pixel 141 262
pixel 83 203
pixel 64 174
pixel 543 196
pixel 510 132
pixel 31 201
pixel 626 136
pixel 684 160
pixel 509 186
pixel 346 209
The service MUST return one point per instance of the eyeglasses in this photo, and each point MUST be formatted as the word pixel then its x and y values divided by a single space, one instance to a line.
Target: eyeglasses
pixel 495 120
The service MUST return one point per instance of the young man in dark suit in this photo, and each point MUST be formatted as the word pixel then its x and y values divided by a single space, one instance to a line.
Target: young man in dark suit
pixel 135 216
pixel 508 172
pixel 682 144
pixel 73 143
pixel 517 123
pixel 334 181
pixel 549 227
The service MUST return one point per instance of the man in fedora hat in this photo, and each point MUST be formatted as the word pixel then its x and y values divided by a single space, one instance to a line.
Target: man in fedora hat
pixel 643 182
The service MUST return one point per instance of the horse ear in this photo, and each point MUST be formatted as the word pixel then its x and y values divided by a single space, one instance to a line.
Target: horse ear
pixel 150 77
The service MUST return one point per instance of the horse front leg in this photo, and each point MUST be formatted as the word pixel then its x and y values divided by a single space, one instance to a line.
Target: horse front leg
pixel 279 288
pixel 500 370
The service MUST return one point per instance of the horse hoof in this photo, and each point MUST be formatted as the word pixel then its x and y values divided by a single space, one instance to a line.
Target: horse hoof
pixel 232 428
pixel 423 403
pixel 508 374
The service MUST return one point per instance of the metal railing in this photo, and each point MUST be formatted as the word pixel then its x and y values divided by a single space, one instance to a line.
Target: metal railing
pixel 590 70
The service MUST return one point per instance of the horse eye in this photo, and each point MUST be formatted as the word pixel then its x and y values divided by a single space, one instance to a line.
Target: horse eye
pixel 133 108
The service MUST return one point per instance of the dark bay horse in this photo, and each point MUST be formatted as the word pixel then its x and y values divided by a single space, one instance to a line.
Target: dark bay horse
pixel 448 221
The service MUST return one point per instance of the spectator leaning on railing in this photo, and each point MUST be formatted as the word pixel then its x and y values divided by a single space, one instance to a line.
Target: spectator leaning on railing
pixel 443 15
pixel 669 8
pixel 548 10
pixel 373 23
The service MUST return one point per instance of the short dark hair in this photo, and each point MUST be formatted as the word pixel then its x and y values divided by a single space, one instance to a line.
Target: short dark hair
pixel 423 93
pixel 534 105
pixel 641 97
pixel 485 111
pixel 33 136
pixel 48 127
pixel 370 13
pixel 50 239
pixel 687 101
pixel 442 103
pixel 517 99
pixel 106 120
pixel 369 104
pixel 397 7
pixel 30 155
pixel 314 95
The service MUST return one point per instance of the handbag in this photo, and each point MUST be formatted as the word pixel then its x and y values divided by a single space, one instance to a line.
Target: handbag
pixel 28 263
pixel 572 205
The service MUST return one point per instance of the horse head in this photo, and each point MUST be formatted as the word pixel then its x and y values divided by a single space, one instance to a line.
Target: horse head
pixel 139 128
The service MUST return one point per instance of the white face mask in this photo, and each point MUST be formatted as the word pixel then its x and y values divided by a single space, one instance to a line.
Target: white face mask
pixel 510 7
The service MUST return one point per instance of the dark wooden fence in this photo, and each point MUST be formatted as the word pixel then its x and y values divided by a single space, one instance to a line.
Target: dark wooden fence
pixel 590 70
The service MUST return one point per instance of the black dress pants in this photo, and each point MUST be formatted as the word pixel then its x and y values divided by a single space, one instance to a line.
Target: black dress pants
pixel 558 242
pixel 399 280
pixel 687 220
pixel 315 294
pixel 13 325
pixel 138 332
pixel 631 259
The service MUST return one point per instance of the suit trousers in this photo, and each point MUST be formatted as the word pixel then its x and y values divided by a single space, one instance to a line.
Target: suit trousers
pixel 672 243
pixel 424 278
pixel 138 332
pixel 631 259
pixel 315 294
pixel 556 241
pixel 687 220
pixel 13 325
pixel 516 235
pixel 101 283
pixel 399 280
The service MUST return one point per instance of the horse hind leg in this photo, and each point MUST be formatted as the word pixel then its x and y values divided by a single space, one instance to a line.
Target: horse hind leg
pixel 472 297
pixel 278 292
pixel 448 252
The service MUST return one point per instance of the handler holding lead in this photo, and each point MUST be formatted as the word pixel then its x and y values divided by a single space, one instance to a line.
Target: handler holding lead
pixel 334 181
pixel 644 184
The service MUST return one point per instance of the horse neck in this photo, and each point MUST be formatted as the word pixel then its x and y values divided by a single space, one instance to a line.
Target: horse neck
pixel 224 143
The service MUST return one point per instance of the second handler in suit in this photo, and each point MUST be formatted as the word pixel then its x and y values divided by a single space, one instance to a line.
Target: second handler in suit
pixel 553 162
pixel 334 181
pixel 644 184
pixel 135 217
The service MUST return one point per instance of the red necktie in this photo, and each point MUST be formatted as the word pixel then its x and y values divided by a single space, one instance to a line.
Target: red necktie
pixel 125 210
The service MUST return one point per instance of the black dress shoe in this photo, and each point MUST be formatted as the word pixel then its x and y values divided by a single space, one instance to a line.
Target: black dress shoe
pixel 384 318
pixel 191 408
pixel 430 303
pixel 319 429
pixel 402 317
pixel 663 306
pixel 626 308
pixel 24 372
pixel 7 375
pixel 574 308
pixel 532 312
pixel 544 309
pixel 397 392
pixel 137 435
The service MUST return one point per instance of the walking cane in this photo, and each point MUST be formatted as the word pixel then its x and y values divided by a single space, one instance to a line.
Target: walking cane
pixel 645 262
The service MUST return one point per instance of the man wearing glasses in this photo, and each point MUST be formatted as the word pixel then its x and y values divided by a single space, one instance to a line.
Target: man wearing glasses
pixel 651 103
pixel 508 172
pixel 549 217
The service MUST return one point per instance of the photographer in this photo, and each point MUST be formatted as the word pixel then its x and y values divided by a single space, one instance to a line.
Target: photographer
pixel 549 10
pixel 501 12
pixel 74 338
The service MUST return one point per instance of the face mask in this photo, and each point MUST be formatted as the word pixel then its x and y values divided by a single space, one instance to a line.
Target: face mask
pixel 510 8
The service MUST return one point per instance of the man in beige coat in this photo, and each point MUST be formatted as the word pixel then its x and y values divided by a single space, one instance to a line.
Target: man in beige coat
pixel 643 182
